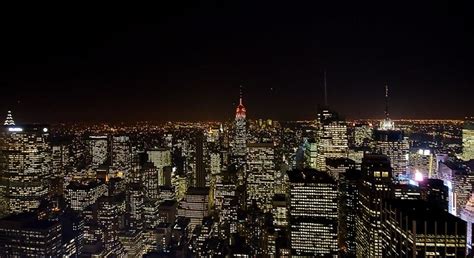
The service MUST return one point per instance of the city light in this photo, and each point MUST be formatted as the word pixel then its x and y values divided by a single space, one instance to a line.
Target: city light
pixel 418 176
pixel 243 130
pixel 15 129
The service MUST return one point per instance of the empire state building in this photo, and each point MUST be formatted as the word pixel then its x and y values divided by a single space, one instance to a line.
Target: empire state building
pixel 240 138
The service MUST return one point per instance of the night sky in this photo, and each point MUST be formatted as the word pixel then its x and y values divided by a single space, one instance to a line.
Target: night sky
pixel 121 63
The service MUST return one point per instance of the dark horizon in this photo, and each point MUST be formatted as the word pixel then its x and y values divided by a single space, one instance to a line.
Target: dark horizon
pixel 186 63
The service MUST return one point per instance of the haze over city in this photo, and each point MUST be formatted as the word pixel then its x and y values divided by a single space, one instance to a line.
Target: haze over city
pixel 135 65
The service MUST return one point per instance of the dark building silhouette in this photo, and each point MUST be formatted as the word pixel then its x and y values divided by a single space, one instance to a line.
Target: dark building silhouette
pixel 417 228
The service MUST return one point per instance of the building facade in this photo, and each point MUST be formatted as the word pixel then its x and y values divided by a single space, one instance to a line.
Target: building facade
pixel 313 212
pixel 25 167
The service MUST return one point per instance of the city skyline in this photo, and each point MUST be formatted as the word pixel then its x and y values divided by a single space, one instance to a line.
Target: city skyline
pixel 237 129
pixel 114 68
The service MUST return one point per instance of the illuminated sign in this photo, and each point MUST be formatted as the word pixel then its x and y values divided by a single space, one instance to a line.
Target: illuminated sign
pixel 424 152
pixel 418 176
pixel 15 129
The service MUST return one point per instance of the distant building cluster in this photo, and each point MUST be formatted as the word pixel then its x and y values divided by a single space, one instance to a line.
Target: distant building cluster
pixel 243 188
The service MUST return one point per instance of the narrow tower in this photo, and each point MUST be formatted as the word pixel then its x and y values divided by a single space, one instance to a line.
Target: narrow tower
pixel 240 137
pixel 9 119
pixel 325 90
pixel 387 123
pixel 386 101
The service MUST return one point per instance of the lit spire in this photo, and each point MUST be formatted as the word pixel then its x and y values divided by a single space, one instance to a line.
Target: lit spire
pixel 240 112
pixel 325 90
pixel 386 101
pixel 241 95
pixel 387 123
pixel 9 120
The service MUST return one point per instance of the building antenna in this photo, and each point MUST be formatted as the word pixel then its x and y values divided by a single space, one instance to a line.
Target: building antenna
pixel 386 101
pixel 325 90
pixel 240 95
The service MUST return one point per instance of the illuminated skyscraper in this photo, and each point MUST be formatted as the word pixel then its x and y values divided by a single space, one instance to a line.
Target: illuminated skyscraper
pixel 60 156
pixel 392 143
pixel 135 206
pixel 387 123
pixel 9 119
pixel 161 158
pixel 121 154
pixel 375 186
pixel 98 149
pixel 362 135
pixel 25 167
pixel 195 205
pixel 459 179
pixel 331 138
pixel 23 235
pixel 79 195
pixel 348 210
pixel 215 163
pixel 150 180
pixel 313 213
pixel 422 161
pixel 261 174
pixel 415 228
pixel 240 138
pixel 468 139
pixel 110 210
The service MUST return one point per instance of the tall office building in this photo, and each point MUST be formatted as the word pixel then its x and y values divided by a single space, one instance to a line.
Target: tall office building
pixel 195 205
pixel 331 138
pixel 226 202
pixel 9 119
pixel 467 214
pixel 200 170
pixel 79 195
pixel 59 159
pixel 261 175
pixel 394 145
pixel 348 188
pixel 422 161
pixel 362 135
pixel 135 206
pixel 23 235
pixel 392 142
pixel 313 213
pixel 121 154
pixel 375 186
pixel 25 167
pixel 414 228
pixel 459 179
pixel 240 137
pixel 110 210
pixel 161 158
pixel 215 163
pixel 150 180
pixel 98 149
pixel 468 139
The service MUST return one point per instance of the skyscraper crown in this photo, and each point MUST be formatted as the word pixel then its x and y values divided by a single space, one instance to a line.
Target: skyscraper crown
pixel 9 119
